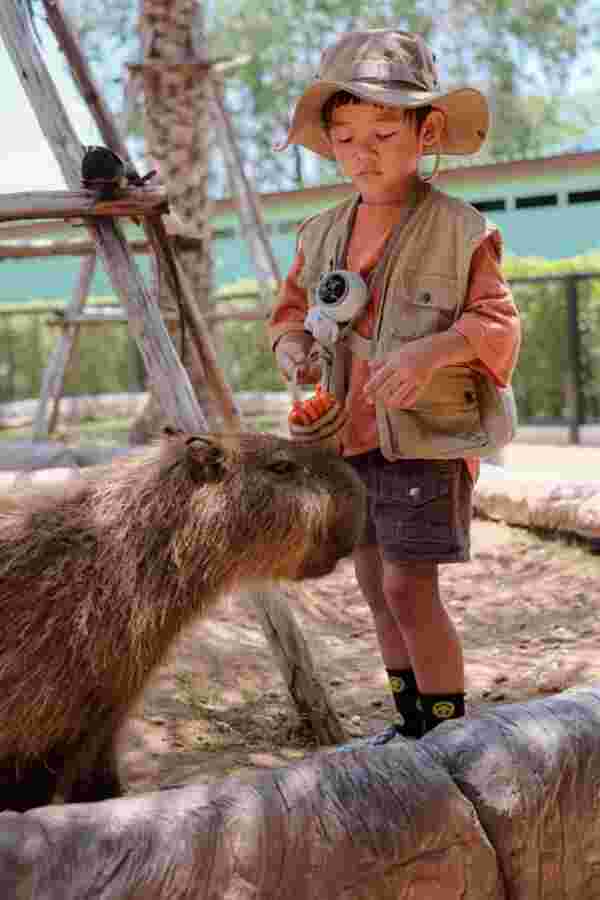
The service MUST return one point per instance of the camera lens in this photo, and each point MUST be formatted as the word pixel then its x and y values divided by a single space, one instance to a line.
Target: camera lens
pixel 332 289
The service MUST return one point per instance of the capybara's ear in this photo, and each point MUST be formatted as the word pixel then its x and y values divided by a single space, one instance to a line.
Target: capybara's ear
pixel 207 458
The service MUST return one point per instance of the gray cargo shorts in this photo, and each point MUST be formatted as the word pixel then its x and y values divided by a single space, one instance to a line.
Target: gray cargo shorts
pixel 418 509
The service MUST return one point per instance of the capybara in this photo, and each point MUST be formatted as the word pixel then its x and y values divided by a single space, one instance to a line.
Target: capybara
pixel 97 580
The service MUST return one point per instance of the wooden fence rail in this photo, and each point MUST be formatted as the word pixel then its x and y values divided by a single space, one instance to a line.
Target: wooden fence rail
pixel 27 336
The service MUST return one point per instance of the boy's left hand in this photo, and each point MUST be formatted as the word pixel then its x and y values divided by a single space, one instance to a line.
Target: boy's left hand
pixel 397 380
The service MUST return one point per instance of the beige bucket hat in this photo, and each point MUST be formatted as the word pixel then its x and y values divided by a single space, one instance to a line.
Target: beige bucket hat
pixel 391 68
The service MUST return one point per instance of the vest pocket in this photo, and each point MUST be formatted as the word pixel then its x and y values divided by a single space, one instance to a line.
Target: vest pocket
pixel 430 303
pixel 444 423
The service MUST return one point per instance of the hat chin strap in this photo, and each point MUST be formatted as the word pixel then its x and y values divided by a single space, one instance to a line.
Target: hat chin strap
pixel 436 166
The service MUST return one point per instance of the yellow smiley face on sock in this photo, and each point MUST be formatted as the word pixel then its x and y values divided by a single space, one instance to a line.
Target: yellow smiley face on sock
pixel 444 709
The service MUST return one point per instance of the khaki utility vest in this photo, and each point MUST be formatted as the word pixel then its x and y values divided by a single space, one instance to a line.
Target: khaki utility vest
pixel 423 287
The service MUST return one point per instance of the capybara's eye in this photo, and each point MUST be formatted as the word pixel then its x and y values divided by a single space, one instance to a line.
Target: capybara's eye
pixel 282 466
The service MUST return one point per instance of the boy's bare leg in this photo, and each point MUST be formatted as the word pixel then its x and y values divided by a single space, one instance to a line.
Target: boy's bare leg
pixel 369 574
pixel 419 644
pixel 412 594
pixel 413 628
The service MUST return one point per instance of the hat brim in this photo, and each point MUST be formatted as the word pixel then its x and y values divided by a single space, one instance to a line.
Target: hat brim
pixel 466 109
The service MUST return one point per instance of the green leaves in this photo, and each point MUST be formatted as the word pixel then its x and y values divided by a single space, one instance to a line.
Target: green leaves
pixel 541 380
pixel 521 54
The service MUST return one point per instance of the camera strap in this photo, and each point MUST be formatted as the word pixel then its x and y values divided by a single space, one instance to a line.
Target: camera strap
pixel 335 359
pixel 340 260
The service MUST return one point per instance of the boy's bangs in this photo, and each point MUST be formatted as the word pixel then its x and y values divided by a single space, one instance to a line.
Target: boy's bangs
pixel 345 98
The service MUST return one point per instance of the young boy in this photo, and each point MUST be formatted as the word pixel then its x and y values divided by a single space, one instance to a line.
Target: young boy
pixel 439 317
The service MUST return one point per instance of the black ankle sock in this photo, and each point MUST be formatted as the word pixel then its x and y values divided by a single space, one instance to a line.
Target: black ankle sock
pixel 409 722
pixel 438 708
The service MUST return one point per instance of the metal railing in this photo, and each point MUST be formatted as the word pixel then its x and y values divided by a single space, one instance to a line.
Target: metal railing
pixel 557 379
pixel 105 358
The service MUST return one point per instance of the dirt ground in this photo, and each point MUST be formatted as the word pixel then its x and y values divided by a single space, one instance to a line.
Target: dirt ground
pixel 527 610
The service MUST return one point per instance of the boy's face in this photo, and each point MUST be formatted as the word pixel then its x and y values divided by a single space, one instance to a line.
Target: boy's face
pixel 378 149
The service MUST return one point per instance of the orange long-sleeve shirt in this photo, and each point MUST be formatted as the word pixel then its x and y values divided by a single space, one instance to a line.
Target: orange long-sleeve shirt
pixel 489 321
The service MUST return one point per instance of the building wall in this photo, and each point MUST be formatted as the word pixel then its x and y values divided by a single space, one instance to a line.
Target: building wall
pixel 548 208
pixel 554 213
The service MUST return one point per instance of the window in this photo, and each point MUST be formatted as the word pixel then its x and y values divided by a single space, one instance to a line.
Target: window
pixel 536 200
pixel 224 232
pixel 583 196
pixel 489 205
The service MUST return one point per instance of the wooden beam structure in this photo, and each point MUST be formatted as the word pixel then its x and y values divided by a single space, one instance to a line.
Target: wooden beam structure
pixel 80 204
pixel 266 268
pixel 54 375
pixel 10 250
pixel 174 279
pixel 146 326
pixel 28 230
pixel 96 317
pixel 61 248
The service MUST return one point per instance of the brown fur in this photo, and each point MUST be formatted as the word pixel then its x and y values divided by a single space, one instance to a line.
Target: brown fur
pixel 98 579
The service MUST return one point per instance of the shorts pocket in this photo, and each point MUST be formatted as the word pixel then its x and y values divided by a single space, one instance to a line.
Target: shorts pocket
pixel 417 510
pixel 401 484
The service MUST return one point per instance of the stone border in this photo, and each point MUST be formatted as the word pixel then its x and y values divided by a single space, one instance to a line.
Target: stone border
pixel 543 501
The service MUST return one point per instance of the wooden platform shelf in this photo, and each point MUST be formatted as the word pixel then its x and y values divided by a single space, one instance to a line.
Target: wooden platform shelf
pixel 134 203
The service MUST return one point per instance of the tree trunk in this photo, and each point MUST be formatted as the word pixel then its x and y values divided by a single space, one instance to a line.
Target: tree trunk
pixel 177 136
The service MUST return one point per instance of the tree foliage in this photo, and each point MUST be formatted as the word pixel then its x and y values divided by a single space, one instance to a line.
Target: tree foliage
pixel 542 381
pixel 520 53
pixel 285 39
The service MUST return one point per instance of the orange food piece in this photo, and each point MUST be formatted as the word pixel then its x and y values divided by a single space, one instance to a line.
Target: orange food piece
pixel 306 412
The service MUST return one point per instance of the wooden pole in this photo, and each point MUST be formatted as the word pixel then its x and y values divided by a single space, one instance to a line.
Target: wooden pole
pixel 162 363
pixel 66 248
pixel 296 665
pixel 81 204
pixel 267 271
pixel 69 44
pixel 195 323
pixel 575 391
pixel 153 225
pixel 54 373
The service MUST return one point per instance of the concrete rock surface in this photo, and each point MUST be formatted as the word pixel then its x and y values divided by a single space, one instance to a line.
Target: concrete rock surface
pixel 503 805
pixel 542 502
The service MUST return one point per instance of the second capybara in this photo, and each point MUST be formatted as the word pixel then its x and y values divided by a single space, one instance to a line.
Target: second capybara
pixel 96 582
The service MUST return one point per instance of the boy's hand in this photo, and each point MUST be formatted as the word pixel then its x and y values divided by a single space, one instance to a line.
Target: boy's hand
pixel 397 380
pixel 294 361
